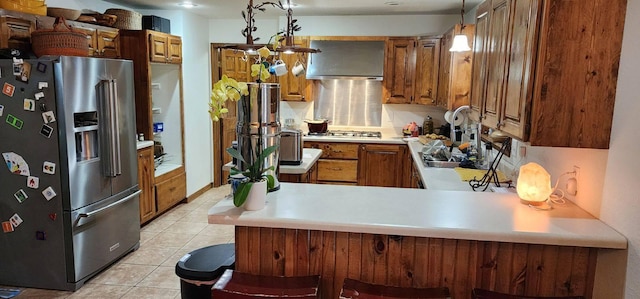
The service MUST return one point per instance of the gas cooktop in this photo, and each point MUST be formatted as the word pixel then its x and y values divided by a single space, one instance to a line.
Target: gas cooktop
pixel 349 134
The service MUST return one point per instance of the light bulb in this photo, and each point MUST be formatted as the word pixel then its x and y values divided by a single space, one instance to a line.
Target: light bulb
pixel 460 44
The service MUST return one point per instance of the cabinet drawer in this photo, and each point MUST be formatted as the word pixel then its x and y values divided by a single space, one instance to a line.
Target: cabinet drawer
pixel 171 191
pixel 335 150
pixel 338 170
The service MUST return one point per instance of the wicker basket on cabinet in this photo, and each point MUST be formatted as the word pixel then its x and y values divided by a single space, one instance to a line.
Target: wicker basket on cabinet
pixel 127 19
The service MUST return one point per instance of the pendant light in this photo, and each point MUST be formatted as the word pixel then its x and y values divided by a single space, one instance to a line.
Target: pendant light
pixel 460 41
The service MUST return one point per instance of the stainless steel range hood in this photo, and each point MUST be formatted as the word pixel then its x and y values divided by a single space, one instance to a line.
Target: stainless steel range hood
pixel 346 60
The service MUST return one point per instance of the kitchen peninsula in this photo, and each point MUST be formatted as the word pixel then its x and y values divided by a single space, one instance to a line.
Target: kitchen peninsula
pixel 413 237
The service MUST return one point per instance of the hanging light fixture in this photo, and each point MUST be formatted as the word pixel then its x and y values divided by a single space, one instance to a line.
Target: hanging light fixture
pixel 249 17
pixel 460 41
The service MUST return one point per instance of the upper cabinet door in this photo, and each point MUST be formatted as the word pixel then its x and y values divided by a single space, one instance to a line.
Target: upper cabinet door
pixel 496 61
pixel 158 48
pixel 480 53
pixel 294 88
pixel 427 67
pixel 398 71
pixel 175 49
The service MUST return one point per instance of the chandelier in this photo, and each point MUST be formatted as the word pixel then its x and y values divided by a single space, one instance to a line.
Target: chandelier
pixel 287 39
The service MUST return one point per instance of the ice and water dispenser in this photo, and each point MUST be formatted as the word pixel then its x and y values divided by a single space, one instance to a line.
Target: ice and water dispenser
pixel 85 127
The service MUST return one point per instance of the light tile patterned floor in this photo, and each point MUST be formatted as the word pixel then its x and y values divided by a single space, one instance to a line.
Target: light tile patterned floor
pixel 149 272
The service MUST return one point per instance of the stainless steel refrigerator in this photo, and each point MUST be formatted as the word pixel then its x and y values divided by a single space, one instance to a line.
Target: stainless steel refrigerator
pixel 69 203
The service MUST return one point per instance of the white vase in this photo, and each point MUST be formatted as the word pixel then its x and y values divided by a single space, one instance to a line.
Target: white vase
pixel 257 196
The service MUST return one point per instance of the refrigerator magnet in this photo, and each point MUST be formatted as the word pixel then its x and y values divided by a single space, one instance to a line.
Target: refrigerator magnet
pixel 17 66
pixel 41 67
pixel 29 105
pixel 53 216
pixel 41 236
pixel 20 195
pixel 39 95
pixel 33 182
pixel 49 193
pixel 48 117
pixel 42 85
pixel 1 110
pixel 8 89
pixel 46 131
pixel 7 227
pixel 15 220
pixel 25 73
pixel 14 121
pixel 49 167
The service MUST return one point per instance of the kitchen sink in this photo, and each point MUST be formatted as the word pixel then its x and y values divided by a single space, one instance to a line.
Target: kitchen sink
pixel 440 164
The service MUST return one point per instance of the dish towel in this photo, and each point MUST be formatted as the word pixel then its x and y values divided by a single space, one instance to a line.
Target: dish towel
pixel 467 174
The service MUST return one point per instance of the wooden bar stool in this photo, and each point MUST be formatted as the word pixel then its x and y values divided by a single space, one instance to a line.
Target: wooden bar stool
pixel 233 284
pixel 486 294
pixel 355 289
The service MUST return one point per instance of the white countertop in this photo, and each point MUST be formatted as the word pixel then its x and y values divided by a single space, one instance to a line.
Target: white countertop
pixel 386 139
pixel 483 216
pixel 309 157
pixel 143 144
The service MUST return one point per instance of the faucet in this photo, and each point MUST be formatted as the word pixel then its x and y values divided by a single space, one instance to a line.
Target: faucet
pixel 453 121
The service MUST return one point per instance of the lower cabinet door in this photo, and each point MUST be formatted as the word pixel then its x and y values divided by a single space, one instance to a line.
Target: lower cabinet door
pixel 338 170
pixel 171 191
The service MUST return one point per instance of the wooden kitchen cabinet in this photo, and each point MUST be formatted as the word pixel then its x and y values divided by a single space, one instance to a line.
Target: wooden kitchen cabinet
pixel 399 68
pixel 15 33
pixel 162 103
pixel 551 70
pixel 338 163
pixel 309 177
pixel 382 165
pixel 294 88
pixel 164 48
pixel 454 77
pixel 145 182
pixel 479 70
pixel 102 43
pixel 427 69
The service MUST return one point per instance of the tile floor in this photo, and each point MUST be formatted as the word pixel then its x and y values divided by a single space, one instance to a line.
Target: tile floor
pixel 149 272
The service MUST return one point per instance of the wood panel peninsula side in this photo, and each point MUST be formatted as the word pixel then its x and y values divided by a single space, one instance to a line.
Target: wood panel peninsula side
pixel 423 238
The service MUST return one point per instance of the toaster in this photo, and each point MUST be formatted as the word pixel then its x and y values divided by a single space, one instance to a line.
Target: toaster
pixel 290 147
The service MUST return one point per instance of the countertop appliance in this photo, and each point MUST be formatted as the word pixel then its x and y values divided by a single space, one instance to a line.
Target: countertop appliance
pixel 290 147
pixel 69 190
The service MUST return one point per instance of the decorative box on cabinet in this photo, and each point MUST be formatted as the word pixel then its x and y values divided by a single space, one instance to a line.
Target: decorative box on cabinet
pixel 454 78
pixel 145 182
pixel 551 70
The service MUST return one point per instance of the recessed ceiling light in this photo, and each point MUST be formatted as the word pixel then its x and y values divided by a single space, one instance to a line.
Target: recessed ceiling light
pixel 187 4
pixel 392 3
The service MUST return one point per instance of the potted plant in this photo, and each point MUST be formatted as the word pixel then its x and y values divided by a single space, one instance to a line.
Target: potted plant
pixel 253 177
pixel 252 189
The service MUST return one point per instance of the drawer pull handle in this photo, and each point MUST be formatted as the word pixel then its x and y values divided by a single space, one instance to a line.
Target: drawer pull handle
pixel 172 189
pixel 336 168
pixel 337 151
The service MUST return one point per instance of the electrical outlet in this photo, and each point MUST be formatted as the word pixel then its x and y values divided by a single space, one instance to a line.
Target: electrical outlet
pixel 523 151
pixel 572 186
pixel 576 171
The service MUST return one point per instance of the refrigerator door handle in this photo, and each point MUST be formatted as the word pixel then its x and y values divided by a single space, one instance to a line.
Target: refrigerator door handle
pixel 108 101
pixel 107 207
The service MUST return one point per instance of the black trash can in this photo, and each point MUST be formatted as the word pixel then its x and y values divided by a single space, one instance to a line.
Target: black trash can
pixel 198 270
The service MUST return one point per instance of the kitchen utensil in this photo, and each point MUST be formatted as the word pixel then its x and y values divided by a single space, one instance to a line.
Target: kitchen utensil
pixel 297 69
pixel 318 125
pixel 279 68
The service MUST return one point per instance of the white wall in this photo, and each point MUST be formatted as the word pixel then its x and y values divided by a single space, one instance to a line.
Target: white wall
pixel 620 204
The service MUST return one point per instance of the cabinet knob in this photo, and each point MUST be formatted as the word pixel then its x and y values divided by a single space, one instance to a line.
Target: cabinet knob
pixel 429 92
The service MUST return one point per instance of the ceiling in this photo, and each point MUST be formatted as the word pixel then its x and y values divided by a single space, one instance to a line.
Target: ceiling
pixel 233 8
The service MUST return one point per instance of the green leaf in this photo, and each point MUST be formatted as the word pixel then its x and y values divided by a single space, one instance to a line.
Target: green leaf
pixel 241 193
pixel 271 182
pixel 234 153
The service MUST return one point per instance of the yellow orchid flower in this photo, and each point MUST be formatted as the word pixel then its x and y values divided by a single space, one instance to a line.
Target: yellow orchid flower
pixel 259 69
pixel 264 53
pixel 226 88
